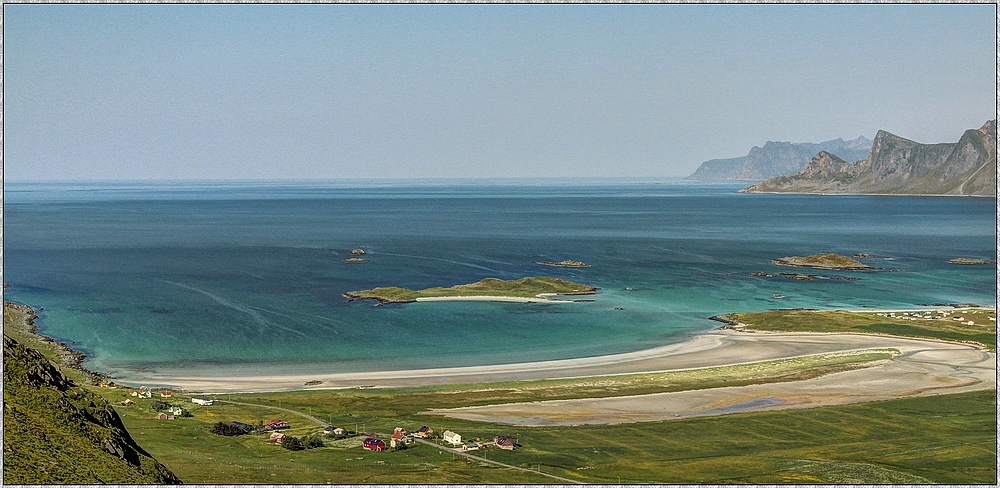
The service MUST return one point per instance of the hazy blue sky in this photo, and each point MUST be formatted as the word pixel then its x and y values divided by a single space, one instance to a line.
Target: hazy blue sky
pixel 337 91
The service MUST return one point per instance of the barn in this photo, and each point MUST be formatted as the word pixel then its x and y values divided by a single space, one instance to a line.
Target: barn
pixel 373 444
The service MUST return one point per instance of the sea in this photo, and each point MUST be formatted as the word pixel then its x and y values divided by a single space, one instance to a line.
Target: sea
pixel 160 278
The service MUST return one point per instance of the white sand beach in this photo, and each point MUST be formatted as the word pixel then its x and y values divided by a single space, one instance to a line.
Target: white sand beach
pixel 714 348
pixel 539 299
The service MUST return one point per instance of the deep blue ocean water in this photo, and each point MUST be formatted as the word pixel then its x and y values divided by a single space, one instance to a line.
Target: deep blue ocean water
pixel 154 278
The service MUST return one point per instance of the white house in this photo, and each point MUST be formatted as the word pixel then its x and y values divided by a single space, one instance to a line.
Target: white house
pixel 452 438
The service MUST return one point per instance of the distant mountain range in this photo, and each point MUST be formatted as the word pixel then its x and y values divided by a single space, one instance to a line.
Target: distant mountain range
pixel 900 166
pixel 777 159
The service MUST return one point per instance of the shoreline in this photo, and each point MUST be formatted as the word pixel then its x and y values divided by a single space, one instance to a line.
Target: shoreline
pixel 829 194
pixel 719 347
pixel 540 298
pixel 722 346
pixel 68 357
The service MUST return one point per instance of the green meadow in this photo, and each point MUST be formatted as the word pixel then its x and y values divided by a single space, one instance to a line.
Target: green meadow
pixel 983 331
pixel 938 439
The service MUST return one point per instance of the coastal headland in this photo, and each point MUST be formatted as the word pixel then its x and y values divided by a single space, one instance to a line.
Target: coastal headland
pixel 530 289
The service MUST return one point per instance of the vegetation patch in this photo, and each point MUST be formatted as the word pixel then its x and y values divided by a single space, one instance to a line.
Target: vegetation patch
pixel 822 261
pixel 942 325
pixel 530 287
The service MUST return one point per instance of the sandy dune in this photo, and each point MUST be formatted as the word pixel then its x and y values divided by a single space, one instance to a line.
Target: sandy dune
pixel 924 368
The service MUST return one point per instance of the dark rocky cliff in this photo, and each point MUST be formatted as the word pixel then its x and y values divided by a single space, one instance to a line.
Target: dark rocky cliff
pixel 900 166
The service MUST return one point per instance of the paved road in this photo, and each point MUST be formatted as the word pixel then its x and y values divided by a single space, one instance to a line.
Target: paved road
pixel 482 459
pixel 443 448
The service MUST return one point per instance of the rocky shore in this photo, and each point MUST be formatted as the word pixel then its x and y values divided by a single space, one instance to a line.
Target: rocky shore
pixel 68 357
pixel 564 264
pixel 970 261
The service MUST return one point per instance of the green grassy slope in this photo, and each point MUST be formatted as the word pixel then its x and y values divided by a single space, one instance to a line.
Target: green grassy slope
pixel 58 433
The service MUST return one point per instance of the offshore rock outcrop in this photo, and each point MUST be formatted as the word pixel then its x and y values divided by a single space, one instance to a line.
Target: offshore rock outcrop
pixel 898 166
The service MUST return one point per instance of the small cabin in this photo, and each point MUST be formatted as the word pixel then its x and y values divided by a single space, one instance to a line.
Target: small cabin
pixel 505 442
pixel 163 416
pixel 452 438
pixel 277 437
pixel 424 432
pixel 166 394
pixel 127 402
pixel 277 424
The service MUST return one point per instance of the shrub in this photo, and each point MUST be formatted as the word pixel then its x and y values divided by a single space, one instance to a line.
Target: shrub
pixel 159 406
pixel 313 441
pixel 223 428
pixel 292 443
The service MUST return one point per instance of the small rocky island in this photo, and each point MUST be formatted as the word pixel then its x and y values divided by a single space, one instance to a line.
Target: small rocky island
pixel 537 288
pixel 357 260
pixel 564 264
pixel 357 252
pixel 970 261
pixel 822 261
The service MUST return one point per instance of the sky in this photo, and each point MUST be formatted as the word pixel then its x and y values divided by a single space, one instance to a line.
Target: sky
pixel 235 92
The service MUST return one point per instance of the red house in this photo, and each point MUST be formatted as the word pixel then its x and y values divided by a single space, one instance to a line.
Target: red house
pixel 505 442
pixel 373 444
pixel 277 424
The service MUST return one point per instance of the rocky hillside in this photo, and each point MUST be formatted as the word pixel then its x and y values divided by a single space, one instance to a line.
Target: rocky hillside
pixel 902 167
pixel 777 158
pixel 57 433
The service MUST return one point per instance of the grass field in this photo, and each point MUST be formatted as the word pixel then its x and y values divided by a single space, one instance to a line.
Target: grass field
pixel 942 439
pixel 983 331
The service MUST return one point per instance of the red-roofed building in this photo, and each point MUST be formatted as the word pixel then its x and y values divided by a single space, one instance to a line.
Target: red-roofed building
pixel 505 442
pixel 373 444
pixel 399 438
pixel 277 424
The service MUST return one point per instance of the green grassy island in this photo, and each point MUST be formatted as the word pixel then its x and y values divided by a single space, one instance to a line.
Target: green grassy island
pixel 536 288
pixel 822 261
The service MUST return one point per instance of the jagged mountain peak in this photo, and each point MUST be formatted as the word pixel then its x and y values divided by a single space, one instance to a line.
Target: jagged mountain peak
pixel 896 165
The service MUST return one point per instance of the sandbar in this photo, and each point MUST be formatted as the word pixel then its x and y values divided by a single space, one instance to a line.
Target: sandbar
pixel 924 368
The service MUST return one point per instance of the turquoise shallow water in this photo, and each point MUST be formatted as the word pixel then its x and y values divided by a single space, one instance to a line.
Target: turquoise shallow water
pixel 248 277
